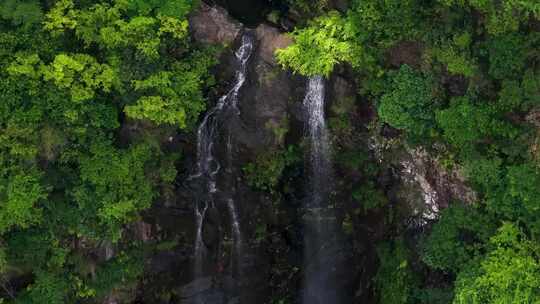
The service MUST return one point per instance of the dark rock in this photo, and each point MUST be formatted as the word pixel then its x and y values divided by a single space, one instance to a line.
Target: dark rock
pixel 164 261
pixel 405 52
pixel 267 95
pixel 341 88
pixel 212 24
pixel 287 24
pixel 270 40
pixel 390 132
pixel 436 186
pixel 249 12
pixel 209 290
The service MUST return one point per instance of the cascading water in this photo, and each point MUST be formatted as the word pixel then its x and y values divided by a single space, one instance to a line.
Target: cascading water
pixel 235 223
pixel 208 166
pixel 319 218
pixel 320 152
pixel 237 236
pixel 200 249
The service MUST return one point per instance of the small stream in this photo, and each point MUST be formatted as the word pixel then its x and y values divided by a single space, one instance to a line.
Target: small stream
pixel 208 166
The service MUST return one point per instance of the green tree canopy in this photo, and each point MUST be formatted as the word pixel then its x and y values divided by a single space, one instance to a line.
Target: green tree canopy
pixel 509 273
pixel 409 102
pixel 327 41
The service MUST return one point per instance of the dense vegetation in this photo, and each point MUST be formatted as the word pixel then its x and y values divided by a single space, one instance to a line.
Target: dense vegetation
pixel 72 73
pixel 471 99
pixel 91 89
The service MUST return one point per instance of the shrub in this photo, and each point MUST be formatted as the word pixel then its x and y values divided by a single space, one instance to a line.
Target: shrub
pixel 395 280
pixel 456 238
pixel 409 103
pixel 265 173
pixel 327 41
pixel 509 273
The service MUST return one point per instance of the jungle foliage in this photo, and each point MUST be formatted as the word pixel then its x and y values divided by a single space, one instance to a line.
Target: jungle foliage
pixel 71 74
pixel 75 74
pixel 471 94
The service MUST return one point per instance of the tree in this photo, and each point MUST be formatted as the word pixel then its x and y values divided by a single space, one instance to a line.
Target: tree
pixel 501 16
pixel 168 89
pixel 523 192
pixel 395 281
pixel 114 27
pixel 384 23
pixel 67 71
pixel 456 238
pixel 464 123
pixel 326 42
pixel 24 13
pixel 507 56
pixel 47 288
pixel 409 102
pixel 266 171
pixel 174 96
pixel 455 54
pixel 114 186
pixel 80 73
pixel 117 273
pixel 509 273
pixel 19 199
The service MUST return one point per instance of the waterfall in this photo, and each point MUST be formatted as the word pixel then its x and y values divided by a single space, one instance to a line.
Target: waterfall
pixel 208 167
pixel 319 218
pixel 237 238
pixel 200 249
pixel 319 156
pixel 233 213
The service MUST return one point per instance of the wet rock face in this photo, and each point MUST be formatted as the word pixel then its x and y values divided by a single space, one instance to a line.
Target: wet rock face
pixel 268 91
pixel 268 94
pixel 205 290
pixel 270 99
pixel 263 104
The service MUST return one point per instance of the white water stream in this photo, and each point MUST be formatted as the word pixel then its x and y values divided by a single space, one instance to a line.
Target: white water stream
pixel 319 215
pixel 208 166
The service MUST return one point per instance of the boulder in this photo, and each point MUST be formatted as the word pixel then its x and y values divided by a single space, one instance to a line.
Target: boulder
pixel 267 94
pixel 212 24
pixel 270 39
pixel 438 186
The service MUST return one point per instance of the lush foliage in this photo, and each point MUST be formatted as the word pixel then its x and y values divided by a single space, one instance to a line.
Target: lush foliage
pixel 408 103
pixel 456 238
pixel 265 172
pixel 509 273
pixel 460 78
pixel 71 182
pixel 395 278
pixel 322 45
pixel 88 88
